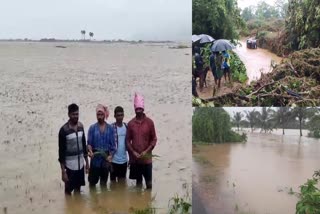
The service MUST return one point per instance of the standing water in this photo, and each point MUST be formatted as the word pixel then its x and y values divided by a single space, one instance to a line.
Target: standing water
pixel 37 83
pixel 257 176
pixel 257 61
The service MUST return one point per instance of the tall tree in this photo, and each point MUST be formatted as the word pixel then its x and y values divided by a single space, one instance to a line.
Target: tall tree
pixel 265 120
pixel 237 117
pixel 213 125
pixel 314 125
pixel 302 24
pixel 252 118
pixel 83 33
pixel 303 114
pixel 91 34
pixel 281 117
pixel 218 18
pixel 247 13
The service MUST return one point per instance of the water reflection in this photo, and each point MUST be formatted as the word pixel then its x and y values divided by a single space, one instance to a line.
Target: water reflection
pixel 119 197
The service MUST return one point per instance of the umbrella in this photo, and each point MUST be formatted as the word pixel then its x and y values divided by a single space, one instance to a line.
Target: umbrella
pixel 195 38
pixel 222 45
pixel 204 38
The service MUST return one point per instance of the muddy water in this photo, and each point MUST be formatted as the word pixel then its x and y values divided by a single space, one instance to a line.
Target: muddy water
pixel 257 61
pixel 37 83
pixel 255 177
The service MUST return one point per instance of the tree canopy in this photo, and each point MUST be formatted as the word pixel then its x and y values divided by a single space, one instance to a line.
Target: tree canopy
pixel 218 18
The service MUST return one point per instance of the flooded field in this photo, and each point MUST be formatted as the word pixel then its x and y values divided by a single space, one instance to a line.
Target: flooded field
pixel 37 83
pixel 255 177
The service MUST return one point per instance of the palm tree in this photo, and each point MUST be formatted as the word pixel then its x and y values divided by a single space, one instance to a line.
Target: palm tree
pixel 281 116
pixel 251 117
pixel 302 114
pixel 91 35
pixel 237 119
pixel 83 32
pixel 264 119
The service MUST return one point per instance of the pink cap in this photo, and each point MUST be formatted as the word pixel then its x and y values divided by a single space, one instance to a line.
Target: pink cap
pixel 138 101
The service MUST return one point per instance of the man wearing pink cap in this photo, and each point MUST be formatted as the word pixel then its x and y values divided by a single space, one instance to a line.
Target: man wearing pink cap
pixel 141 139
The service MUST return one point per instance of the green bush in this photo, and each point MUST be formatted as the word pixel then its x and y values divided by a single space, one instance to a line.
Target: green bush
pixel 309 202
pixel 238 69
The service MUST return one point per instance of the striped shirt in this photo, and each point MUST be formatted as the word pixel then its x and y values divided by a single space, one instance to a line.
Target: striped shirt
pixel 72 146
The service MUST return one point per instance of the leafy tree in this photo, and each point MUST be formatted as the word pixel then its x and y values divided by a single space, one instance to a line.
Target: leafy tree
pixel 302 24
pixel 252 118
pixel 302 114
pixel 248 13
pixel 237 118
pixel 218 18
pixel 265 119
pixel 213 125
pixel 282 117
pixel 91 34
pixel 314 126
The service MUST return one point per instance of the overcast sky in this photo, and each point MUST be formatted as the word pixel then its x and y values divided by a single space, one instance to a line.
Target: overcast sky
pixel 107 19
pixel 246 3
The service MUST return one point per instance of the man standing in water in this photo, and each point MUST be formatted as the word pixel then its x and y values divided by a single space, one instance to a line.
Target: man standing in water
pixel 120 159
pixel 73 152
pixel 101 148
pixel 141 140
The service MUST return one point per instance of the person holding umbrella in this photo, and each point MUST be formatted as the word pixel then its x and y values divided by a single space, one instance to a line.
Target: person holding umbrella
pixel 223 45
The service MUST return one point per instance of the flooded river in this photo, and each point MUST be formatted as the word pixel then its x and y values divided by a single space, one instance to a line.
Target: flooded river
pixel 37 83
pixel 255 177
pixel 257 61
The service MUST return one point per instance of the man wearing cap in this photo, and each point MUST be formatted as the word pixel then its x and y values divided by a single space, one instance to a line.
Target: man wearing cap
pixel 141 139
pixel 101 147
pixel 72 152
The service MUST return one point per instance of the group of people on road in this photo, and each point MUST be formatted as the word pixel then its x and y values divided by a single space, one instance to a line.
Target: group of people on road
pixel 219 64
pixel 107 147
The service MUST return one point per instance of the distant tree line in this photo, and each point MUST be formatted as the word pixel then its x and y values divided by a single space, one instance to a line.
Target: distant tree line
pixel 282 118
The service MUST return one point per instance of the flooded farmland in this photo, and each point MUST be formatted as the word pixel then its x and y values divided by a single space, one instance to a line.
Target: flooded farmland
pixel 37 83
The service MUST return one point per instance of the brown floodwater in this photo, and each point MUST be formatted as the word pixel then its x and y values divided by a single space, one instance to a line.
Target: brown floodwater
pixel 37 83
pixel 257 61
pixel 255 177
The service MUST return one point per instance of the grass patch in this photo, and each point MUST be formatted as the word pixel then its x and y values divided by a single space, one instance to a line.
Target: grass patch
pixel 148 210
